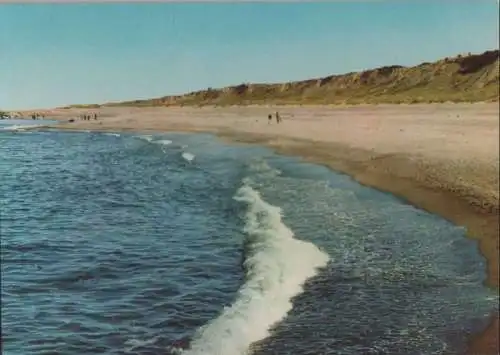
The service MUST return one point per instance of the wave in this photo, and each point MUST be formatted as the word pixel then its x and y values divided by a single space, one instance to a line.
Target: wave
pixel 188 156
pixel 164 141
pixel 146 138
pixel 276 267
pixel 111 134
pixel 20 127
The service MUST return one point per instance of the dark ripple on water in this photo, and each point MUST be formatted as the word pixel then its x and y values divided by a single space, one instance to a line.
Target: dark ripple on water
pixel 110 248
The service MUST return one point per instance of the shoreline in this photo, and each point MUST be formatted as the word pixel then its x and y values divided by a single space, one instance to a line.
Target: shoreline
pixel 435 202
pixel 410 175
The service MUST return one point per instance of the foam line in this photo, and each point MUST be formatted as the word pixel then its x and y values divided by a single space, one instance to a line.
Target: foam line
pixel 276 267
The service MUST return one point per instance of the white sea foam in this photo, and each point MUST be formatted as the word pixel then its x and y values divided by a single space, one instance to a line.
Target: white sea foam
pixel 112 134
pixel 276 265
pixel 20 127
pixel 146 138
pixel 163 141
pixel 188 156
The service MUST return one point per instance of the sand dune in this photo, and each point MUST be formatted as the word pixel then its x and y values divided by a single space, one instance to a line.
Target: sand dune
pixel 463 78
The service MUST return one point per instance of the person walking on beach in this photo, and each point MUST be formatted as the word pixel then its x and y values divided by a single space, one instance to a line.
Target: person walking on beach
pixel 278 118
pixel 269 118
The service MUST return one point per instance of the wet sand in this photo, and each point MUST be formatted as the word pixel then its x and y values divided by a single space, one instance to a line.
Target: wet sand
pixel 443 158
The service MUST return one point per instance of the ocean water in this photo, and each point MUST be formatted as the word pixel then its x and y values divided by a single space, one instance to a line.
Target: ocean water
pixel 180 244
pixel 22 125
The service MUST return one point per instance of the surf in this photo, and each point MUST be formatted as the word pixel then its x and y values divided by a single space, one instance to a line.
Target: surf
pixel 164 141
pixel 188 156
pixel 146 137
pixel 20 127
pixel 276 267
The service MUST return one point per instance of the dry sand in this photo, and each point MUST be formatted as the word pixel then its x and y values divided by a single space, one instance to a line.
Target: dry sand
pixel 443 158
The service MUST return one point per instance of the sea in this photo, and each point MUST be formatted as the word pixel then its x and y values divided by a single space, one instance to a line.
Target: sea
pixel 135 243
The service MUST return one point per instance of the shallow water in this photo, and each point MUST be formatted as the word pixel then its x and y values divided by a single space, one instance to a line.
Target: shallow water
pixel 150 244
pixel 21 125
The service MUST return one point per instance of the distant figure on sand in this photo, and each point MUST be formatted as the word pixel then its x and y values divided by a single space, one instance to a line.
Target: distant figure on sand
pixel 269 118
pixel 95 116
pixel 278 118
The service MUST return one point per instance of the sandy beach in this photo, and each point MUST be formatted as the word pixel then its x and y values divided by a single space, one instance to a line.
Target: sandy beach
pixel 443 158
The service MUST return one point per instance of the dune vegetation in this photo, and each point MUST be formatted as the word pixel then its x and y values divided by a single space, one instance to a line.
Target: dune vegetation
pixel 463 78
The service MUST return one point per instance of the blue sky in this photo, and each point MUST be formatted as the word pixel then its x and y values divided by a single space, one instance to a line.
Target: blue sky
pixel 57 54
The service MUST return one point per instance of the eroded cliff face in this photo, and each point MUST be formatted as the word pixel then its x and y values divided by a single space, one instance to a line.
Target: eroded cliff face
pixel 469 78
